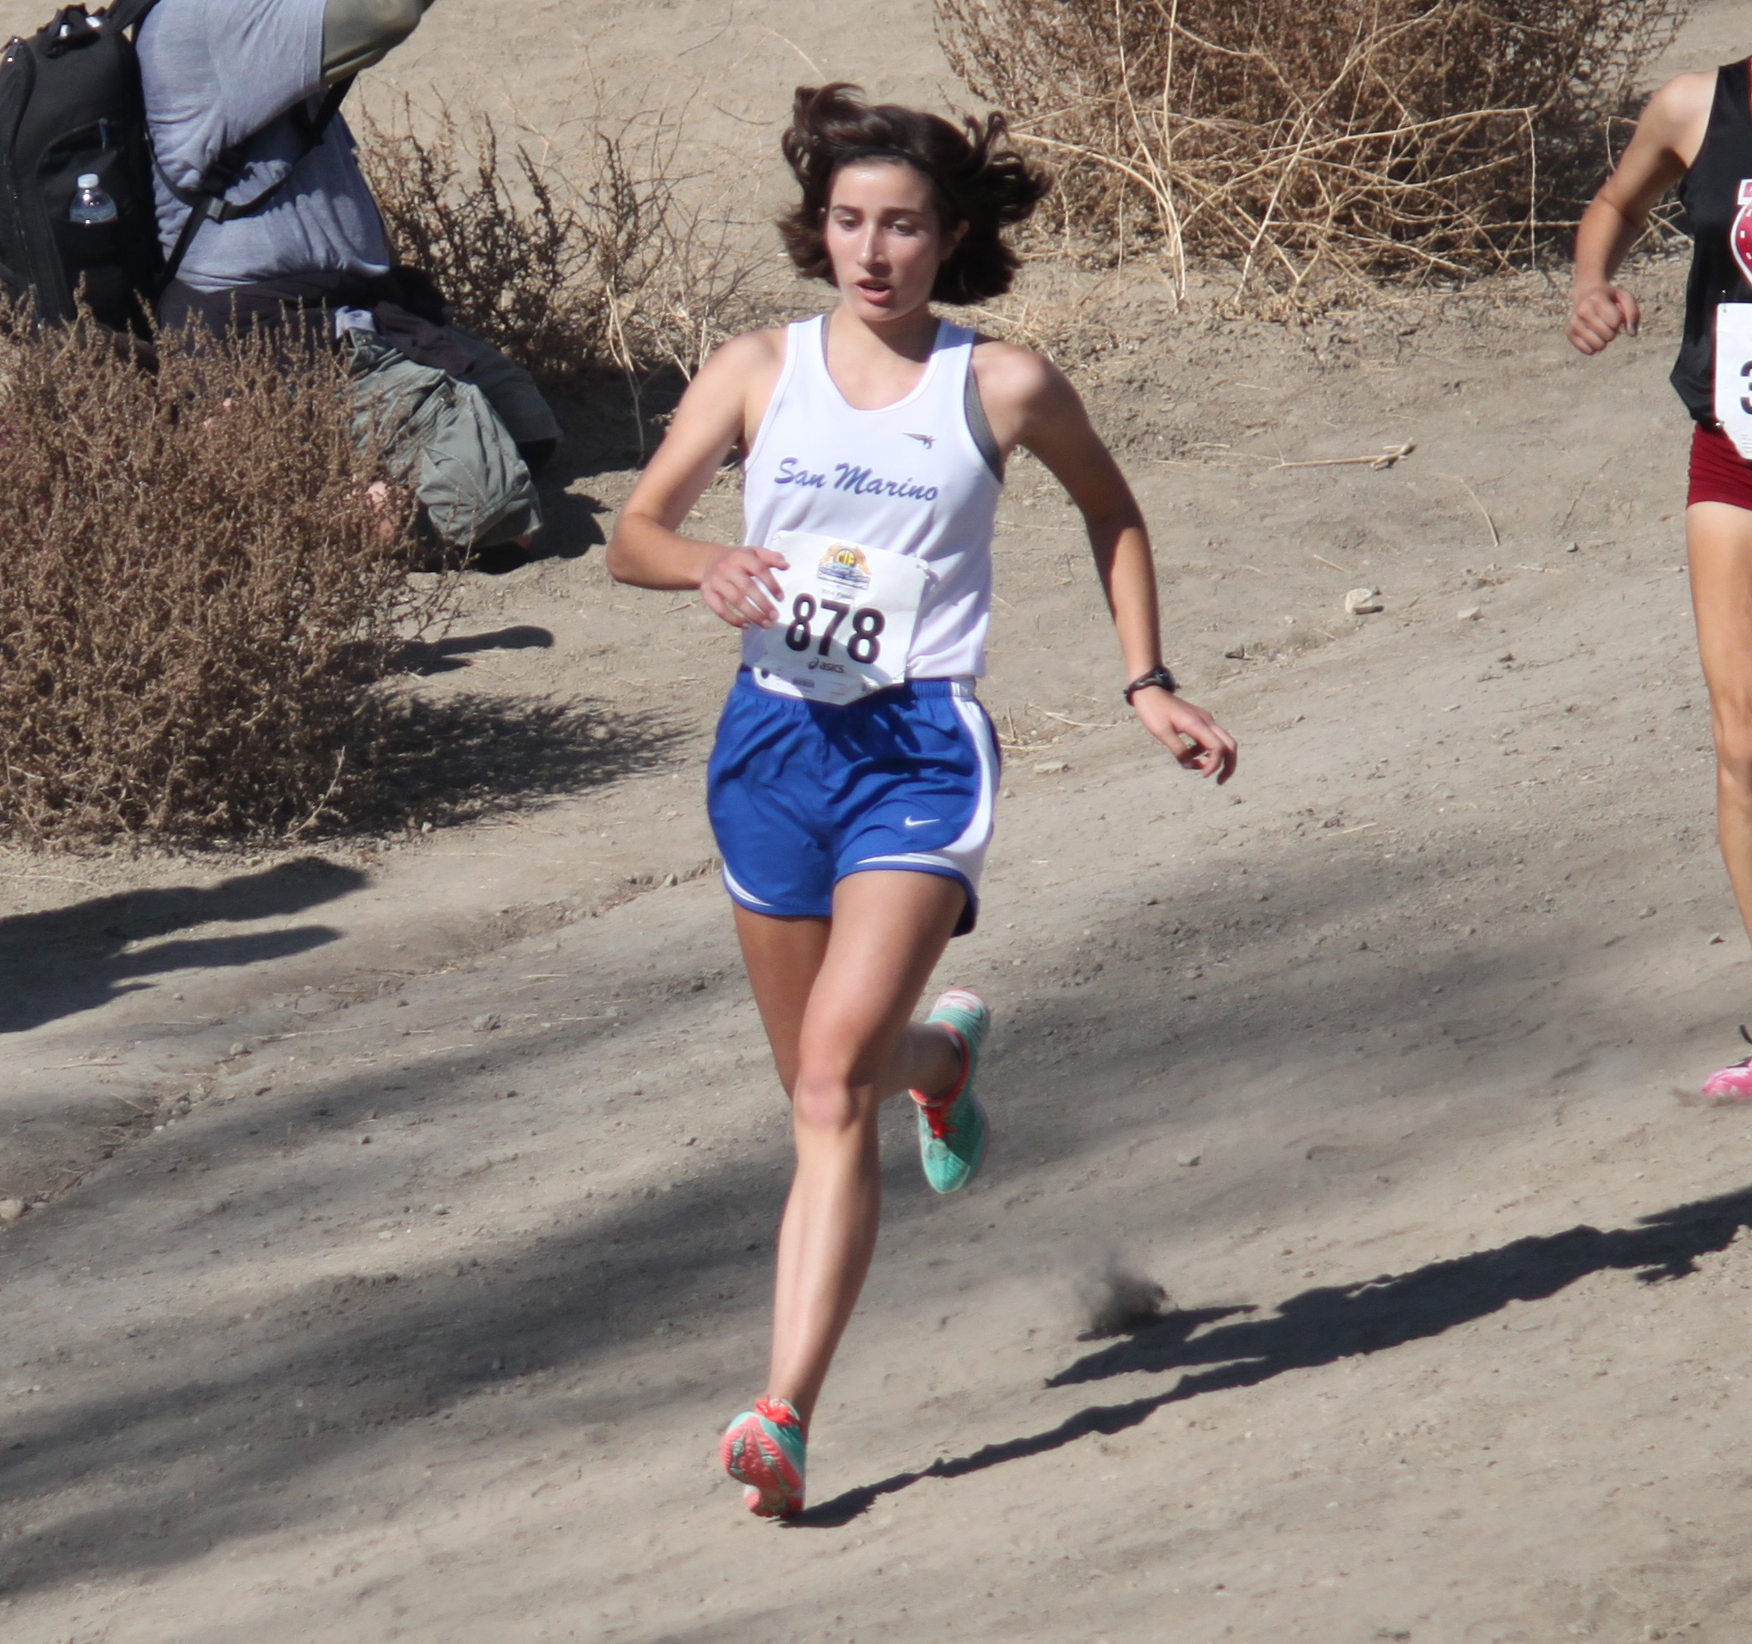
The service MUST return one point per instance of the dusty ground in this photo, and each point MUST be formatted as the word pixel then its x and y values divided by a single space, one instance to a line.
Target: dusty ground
pixel 417 1316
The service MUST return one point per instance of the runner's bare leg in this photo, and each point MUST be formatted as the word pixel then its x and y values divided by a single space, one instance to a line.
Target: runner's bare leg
pixel 1719 540
pixel 835 997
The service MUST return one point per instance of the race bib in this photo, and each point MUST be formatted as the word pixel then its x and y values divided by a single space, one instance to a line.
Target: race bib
pixel 1733 374
pixel 846 619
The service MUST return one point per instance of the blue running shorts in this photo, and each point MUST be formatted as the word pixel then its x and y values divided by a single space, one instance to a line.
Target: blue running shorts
pixel 801 794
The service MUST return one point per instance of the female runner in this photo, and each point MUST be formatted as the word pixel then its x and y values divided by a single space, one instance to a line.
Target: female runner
pixel 852 780
pixel 1697 132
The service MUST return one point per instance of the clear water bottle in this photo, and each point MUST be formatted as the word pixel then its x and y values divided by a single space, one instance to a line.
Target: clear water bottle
pixel 90 203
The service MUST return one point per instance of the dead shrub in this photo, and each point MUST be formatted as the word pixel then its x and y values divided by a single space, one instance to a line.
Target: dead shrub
pixel 590 262
pixel 1295 138
pixel 199 582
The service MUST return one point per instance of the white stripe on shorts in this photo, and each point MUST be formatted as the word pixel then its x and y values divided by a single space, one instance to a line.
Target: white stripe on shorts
pixel 742 894
pixel 965 855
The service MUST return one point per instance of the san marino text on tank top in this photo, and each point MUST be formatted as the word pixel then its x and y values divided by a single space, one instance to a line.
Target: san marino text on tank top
pixel 918 477
pixel 1717 196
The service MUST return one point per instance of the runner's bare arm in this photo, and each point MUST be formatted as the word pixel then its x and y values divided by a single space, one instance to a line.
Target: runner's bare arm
pixel 1665 142
pixel 721 408
pixel 1029 402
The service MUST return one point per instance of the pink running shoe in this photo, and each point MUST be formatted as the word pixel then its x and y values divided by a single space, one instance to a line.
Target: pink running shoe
pixel 1732 1084
pixel 763 1449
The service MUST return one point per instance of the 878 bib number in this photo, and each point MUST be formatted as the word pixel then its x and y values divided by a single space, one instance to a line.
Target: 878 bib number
pixel 863 643
pixel 847 615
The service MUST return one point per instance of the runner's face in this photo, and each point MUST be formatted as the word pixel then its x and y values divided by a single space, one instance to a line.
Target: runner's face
pixel 884 239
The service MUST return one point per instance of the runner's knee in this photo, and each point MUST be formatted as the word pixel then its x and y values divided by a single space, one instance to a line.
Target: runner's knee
pixel 828 1102
pixel 1731 724
pixel 1734 762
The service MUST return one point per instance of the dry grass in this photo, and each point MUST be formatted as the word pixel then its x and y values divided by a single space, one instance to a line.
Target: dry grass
pixel 204 582
pixel 590 262
pixel 197 592
pixel 1296 141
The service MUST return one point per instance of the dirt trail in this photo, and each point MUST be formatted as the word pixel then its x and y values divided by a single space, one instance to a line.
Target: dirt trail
pixel 417 1317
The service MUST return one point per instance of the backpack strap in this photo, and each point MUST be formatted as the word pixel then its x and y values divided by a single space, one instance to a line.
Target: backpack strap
pixel 208 202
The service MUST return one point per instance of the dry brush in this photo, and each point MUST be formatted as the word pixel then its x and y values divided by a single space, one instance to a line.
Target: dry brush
pixel 599 255
pixel 202 578
pixel 1321 137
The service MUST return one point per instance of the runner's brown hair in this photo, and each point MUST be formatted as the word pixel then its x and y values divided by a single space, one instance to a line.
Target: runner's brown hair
pixel 977 177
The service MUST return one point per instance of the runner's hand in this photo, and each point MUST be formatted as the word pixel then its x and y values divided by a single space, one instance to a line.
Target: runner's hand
pixel 1598 313
pixel 736 585
pixel 1187 732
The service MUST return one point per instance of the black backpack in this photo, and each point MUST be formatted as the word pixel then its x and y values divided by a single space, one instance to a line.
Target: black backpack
pixel 71 106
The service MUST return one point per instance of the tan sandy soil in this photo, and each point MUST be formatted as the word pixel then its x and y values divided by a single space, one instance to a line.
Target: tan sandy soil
pixel 418 1316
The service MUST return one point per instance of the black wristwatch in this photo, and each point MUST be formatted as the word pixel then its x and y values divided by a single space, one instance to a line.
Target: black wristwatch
pixel 1156 676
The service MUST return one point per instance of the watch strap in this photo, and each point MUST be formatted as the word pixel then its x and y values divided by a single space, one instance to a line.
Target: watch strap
pixel 1158 675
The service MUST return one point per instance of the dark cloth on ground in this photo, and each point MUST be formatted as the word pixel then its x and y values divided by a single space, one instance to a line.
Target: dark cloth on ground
pixel 453 415
pixel 408 313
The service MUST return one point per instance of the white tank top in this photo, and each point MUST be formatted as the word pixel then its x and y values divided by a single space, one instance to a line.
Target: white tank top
pixel 911 477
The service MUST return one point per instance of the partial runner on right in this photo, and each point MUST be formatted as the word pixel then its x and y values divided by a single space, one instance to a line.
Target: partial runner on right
pixel 1697 133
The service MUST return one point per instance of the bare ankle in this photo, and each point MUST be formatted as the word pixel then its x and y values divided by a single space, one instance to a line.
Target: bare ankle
pixel 950 1084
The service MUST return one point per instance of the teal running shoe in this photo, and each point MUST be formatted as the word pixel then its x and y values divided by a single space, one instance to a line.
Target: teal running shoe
pixel 763 1449
pixel 952 1127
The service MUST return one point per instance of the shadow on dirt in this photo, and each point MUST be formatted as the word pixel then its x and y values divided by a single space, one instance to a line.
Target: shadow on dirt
pixel 375 1354
pixel 611 425
pixel 572 526
pixel 395 1352
pixel 65 960
pixel 389 1351
pixel 460 758
pixel 444 656
pixel 1334 1322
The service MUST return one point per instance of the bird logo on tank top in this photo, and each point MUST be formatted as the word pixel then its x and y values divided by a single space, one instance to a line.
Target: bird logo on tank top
pixel 1740 235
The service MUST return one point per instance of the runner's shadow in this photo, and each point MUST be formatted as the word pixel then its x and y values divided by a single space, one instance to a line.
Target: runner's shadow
pixel 61 961
pixel 1334 1322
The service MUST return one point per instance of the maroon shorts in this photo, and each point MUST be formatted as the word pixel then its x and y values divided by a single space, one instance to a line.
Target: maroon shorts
pixel 1718 472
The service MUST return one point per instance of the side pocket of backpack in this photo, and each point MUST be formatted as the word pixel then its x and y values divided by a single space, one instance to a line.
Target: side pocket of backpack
pixel 94 256
pixel 16 73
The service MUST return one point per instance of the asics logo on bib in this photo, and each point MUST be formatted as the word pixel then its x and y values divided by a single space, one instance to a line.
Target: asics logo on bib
pixel 849 477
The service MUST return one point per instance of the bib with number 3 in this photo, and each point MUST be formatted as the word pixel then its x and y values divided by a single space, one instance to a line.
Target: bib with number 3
pixel 1733 374
pixel 846 619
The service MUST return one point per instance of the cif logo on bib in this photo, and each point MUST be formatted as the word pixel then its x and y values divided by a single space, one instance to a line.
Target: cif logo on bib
pixel 845 568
